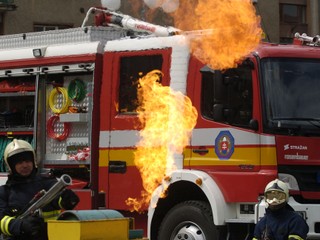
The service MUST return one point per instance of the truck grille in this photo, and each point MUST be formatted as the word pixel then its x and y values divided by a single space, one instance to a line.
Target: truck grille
pixel 308 177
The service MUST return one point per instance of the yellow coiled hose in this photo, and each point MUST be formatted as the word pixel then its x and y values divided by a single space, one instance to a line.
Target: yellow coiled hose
pixel 53 97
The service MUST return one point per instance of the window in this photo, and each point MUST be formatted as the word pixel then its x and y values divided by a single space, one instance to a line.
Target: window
pixel 290 13
pixel 131 69
pixel 291 95
pixel 292 20
pixel 227 96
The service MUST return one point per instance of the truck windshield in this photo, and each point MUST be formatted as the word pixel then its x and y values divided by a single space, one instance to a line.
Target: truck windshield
pixel 291 90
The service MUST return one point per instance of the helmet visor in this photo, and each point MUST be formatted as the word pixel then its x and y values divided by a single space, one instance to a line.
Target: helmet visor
pixel 275 197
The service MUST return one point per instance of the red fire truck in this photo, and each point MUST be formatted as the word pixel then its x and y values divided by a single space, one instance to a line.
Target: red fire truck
pixel 73 94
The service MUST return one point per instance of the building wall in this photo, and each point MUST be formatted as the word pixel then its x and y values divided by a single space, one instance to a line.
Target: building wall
pixel 53 12
pixel 268 10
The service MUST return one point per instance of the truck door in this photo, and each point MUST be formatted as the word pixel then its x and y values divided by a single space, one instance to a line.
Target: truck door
pixel 124 179
pixel 225 142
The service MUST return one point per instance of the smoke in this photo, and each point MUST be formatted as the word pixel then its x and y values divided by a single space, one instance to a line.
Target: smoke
pixel 168 6
pixel 112 5
pixel 153 3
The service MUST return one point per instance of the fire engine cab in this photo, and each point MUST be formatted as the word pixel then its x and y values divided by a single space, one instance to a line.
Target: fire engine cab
pixel 73 94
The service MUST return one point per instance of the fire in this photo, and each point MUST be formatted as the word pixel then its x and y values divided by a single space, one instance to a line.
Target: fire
pixel 221 34
pixel 168 118
pixel 235 29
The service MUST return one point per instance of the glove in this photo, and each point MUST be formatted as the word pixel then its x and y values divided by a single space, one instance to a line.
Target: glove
pixel 32 226
pixel 69 199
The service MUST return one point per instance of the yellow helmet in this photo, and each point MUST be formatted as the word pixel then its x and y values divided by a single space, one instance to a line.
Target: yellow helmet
pixel 276 192
pixel 14 149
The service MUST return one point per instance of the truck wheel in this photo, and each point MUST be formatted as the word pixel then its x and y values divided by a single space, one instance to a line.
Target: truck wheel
pixel 188 220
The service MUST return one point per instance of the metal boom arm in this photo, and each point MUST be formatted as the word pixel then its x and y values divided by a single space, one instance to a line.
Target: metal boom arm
pixel 45 198
pixel 128 22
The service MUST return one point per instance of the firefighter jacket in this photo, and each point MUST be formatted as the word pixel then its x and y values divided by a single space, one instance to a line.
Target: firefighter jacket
pixel 281 224
pixel 14 198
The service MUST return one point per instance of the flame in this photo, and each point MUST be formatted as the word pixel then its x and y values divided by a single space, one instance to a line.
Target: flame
pixel 168 118
pixel 235 29
pixel 223 32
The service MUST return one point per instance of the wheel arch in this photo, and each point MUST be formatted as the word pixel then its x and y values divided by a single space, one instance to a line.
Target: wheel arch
pixel 183 185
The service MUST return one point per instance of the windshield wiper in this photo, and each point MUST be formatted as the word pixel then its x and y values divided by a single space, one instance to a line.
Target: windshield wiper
pixel 297 119
pixel 309 120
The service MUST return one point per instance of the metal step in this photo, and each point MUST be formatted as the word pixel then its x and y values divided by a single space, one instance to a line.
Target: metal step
pixel 240 220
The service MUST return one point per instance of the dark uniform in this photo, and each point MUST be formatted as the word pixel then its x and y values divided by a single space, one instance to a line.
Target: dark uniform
pixel 20 189
pixel 14 198
pixel 282 224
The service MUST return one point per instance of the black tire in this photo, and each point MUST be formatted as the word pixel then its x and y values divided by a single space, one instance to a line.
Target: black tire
pixel 188 220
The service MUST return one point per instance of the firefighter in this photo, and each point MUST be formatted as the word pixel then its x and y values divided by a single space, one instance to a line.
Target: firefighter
pixel 280 222
pixel 22 185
